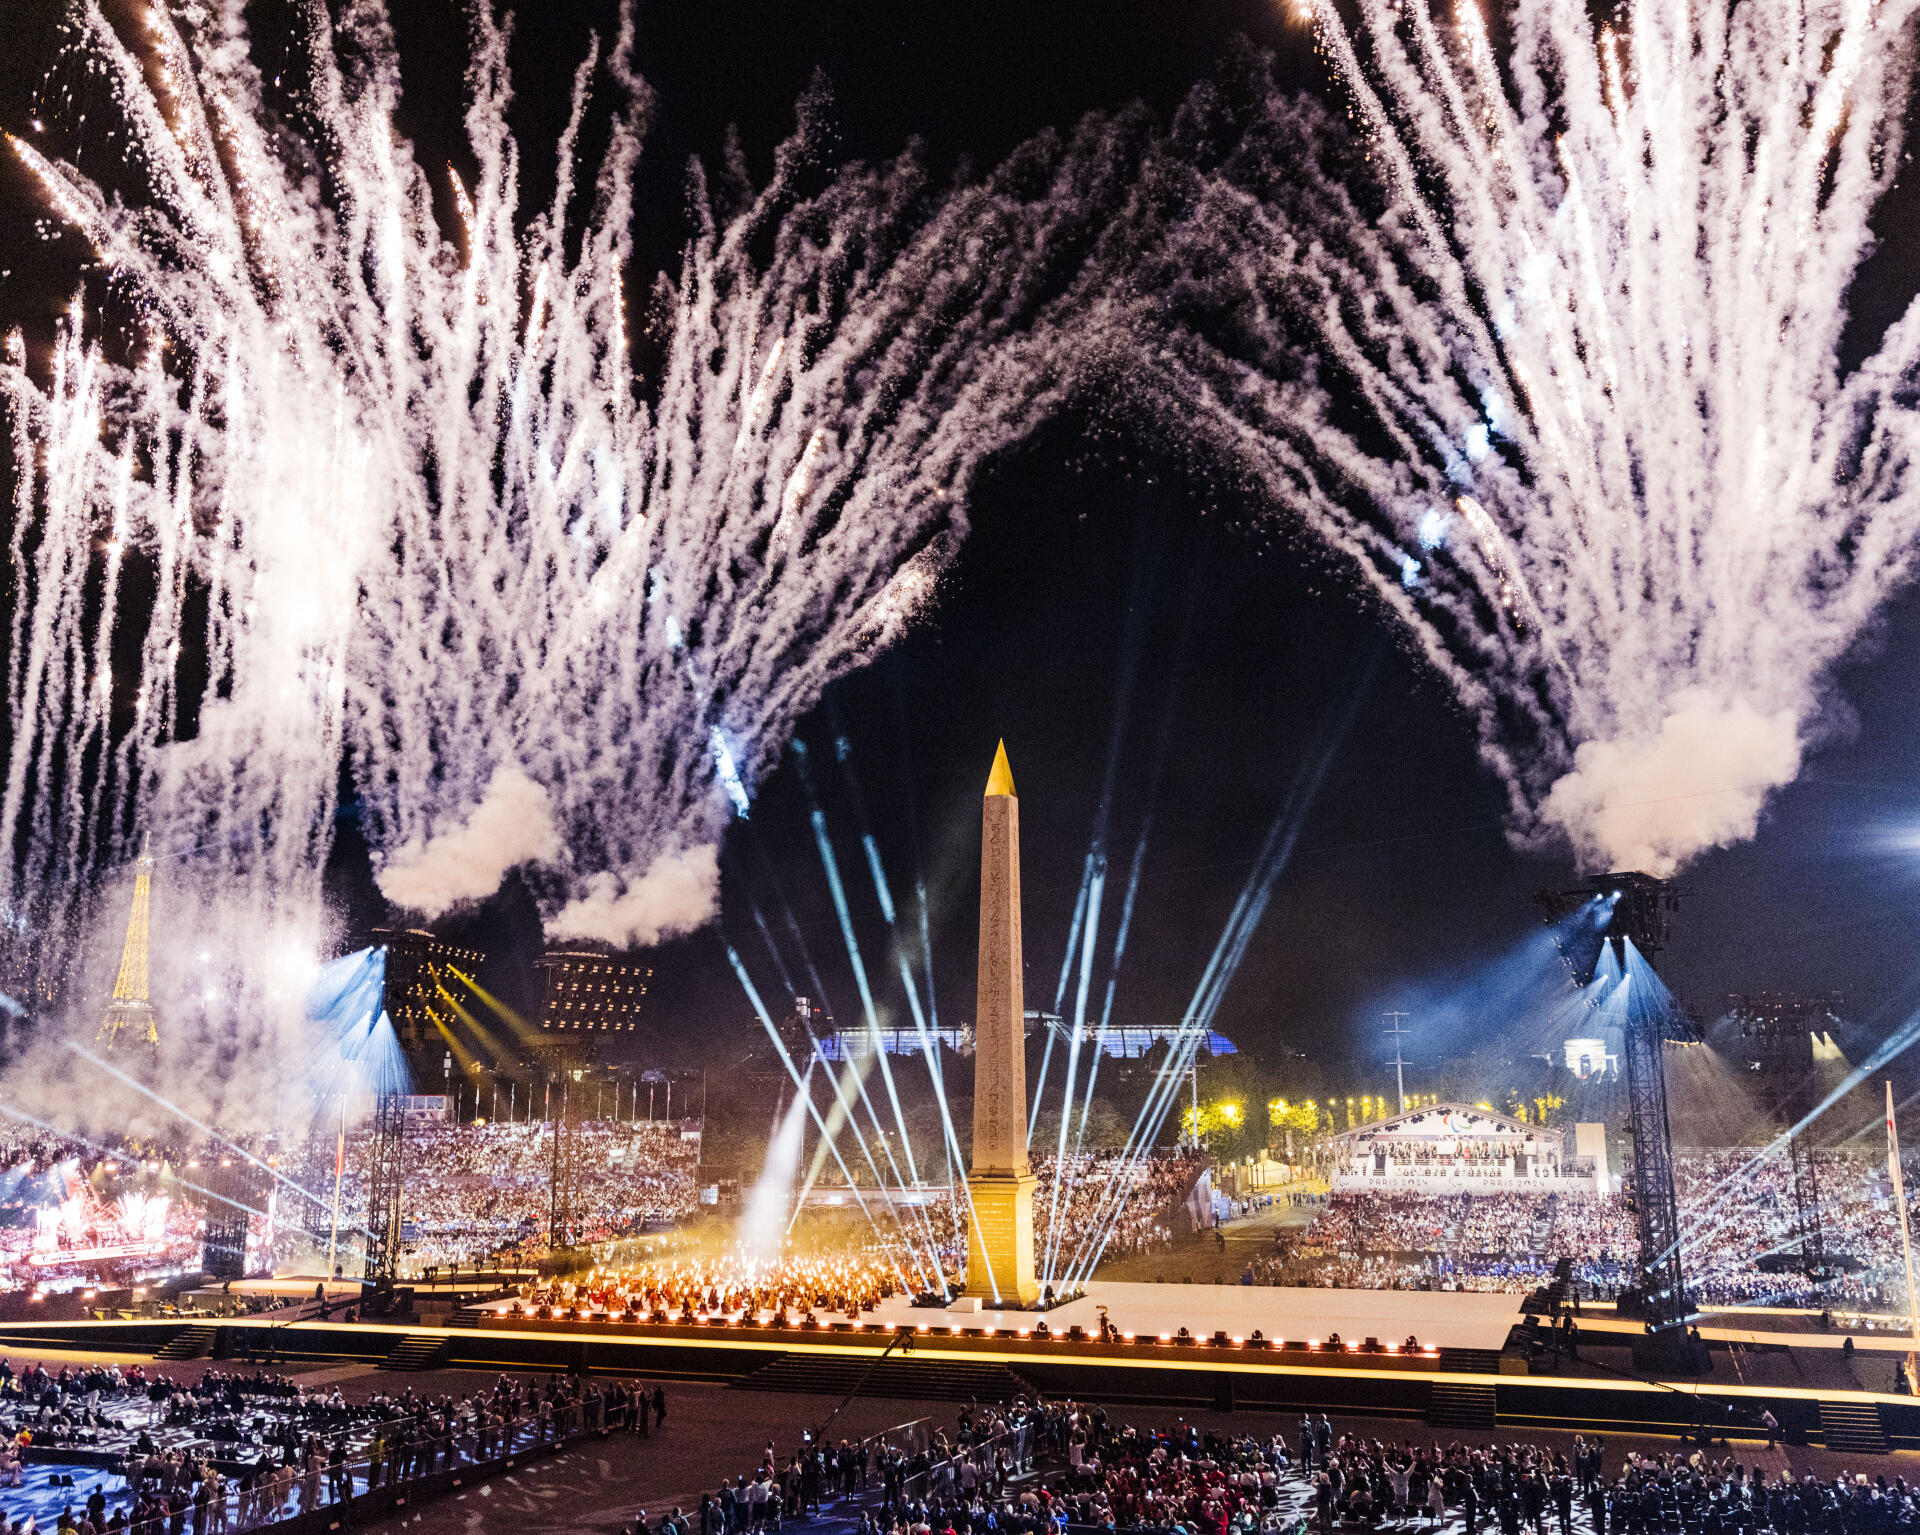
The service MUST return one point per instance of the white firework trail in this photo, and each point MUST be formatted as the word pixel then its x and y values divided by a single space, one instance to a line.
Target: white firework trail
pixel 403 505
pixel 1550 350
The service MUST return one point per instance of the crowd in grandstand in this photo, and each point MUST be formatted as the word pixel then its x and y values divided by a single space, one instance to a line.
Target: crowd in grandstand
pixel 477 1190
pixel 1127 1204
pixel 1736 1207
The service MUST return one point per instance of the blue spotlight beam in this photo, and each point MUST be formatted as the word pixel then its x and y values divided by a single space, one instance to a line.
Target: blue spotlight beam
pixel 1243 921
pixel 1096 891
pixel 773 949
pixel 919 852
pixel 828 1134
pixel 843 1109
pixel 837 887
pixel 876 867
pixel 1059 997
pixel 1895 1045
pixel 786 1059
pixel 1093 878
pixel 1140 1141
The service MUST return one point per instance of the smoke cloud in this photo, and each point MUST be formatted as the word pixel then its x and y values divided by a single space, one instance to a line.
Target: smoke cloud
pixel 1699 781
pixel 512 824
pixel 678 893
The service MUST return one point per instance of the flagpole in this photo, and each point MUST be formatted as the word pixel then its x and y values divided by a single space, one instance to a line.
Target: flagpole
pixel 340 1168
pixel 1906 1240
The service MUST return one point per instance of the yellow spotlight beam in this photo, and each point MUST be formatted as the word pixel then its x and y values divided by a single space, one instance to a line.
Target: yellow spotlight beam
pixel 488 1040
pixel 526 1032
pixel 462 1056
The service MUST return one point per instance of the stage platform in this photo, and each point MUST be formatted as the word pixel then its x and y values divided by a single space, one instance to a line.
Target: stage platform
pixel 1149 1312
pixel 1439 1319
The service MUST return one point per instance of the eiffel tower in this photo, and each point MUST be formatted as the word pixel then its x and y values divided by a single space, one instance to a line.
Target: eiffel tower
pixel 129 1019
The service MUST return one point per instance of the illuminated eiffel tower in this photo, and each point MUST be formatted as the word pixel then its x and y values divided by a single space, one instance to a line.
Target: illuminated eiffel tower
pixel 129 1019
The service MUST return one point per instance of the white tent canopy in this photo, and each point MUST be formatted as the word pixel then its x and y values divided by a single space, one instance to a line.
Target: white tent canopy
pixel 1450 1148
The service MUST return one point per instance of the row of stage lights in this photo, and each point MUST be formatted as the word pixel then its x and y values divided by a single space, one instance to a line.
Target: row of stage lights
pixel 1039 1332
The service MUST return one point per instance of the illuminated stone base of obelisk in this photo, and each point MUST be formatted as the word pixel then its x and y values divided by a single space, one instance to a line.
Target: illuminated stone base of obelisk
pixel 1000 1240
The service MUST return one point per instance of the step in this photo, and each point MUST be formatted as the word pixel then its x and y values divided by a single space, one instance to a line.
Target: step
pixel 416 1351
pixel 1853 1427
pixel 1469 1361
pixel 188 1343
pixel 466 1316
pixel 944 1381
pixel 1456 1406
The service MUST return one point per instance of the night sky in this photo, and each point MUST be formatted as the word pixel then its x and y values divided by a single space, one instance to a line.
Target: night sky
pixel 1084 544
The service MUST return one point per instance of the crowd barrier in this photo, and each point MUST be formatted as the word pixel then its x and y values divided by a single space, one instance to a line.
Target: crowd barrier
pixel 299 1498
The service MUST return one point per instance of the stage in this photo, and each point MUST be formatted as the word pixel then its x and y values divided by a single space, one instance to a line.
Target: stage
pixel 1439 1319
pixel 1150 1314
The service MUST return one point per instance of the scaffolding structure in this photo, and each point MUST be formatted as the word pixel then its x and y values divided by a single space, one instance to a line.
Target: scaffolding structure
pixel 564 1202
pixel 1638 910
pixel 1776 1043
pixel 234 1191
pixel 385 1173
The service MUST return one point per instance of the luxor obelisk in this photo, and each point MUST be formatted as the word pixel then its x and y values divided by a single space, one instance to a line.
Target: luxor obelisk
pixel 1000 1237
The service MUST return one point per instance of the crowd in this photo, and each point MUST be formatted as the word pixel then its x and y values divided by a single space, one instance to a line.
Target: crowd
pixel 234 1450
pixel 477 1190
pixel 1037 1467
pixel 1734 1211
pixel 76 1213
pixel 1733 1206
pixel 927 1480
pixel 1191 1481
pixel 1140 1219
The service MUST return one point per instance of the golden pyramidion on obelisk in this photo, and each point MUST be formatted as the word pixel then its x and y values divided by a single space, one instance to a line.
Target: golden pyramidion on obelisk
pixel 1000 1235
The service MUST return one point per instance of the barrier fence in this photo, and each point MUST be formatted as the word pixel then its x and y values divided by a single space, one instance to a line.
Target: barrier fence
pixel 407 1462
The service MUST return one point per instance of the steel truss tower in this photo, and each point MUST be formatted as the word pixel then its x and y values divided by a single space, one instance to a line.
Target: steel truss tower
pixel 564 1192
pixel 1776 1044
pixel 385 1171
pixel 1806 1208
pixel 232 1188
pixel 1640 913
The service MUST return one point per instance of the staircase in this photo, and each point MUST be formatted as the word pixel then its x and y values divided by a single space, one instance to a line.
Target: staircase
pixel 1469 1361
pixel 940 1380
pixel 1853 1427
pixel 466 1316
pixel 1455 1406
pixel 188 1343
pixel 415 1351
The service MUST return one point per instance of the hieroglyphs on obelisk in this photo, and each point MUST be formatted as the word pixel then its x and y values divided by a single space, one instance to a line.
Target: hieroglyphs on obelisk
pixel 1000 1237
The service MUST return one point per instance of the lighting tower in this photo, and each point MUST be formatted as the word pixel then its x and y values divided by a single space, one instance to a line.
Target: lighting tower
pixel 1398 1063
pixel 564 1202
pixel 1776 1046
pixel 1638 912
pixel 384 1181
pixel 129 1016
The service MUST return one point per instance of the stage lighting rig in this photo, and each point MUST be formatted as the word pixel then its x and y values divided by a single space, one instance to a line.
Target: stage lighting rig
pixel 1632 913
pixel 1626 905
